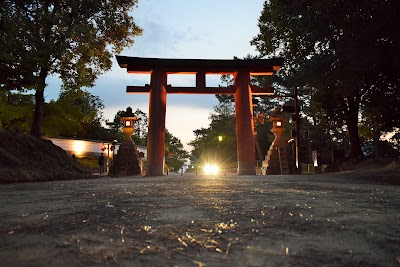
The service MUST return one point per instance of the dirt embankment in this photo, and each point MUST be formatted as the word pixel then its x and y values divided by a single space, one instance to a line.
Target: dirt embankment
pixel 24 158
pixel 383 170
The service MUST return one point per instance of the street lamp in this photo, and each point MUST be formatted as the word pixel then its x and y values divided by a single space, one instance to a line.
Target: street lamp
pixel 112 148
pixel 106 145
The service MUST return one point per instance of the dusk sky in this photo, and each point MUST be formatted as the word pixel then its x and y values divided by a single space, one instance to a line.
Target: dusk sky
pixel 206 29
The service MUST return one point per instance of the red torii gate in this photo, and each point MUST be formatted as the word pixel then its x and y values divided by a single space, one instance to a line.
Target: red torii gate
pixel 158 89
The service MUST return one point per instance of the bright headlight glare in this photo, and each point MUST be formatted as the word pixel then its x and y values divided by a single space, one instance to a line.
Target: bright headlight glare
pixel 211 169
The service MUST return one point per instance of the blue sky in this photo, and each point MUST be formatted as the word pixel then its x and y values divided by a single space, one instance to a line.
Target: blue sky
pixel 204 29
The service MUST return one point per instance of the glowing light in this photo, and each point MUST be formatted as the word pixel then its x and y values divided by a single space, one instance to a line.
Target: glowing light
pixel 220 138
pixel 78 147
pixel 278 123
pixel 127 123
pixel 211 169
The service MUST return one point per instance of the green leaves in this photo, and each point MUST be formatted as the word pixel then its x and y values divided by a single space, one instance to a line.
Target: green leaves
pixel 73 114
pixel 206 146
pixel 15 111
pixel 342 54
pixel 75 39
pixel 174 145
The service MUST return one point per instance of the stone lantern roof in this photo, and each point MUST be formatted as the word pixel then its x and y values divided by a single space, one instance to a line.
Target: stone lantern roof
pixel 128 115
pixel 277 115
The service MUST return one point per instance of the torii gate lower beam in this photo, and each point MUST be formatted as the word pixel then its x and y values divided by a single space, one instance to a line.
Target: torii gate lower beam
pixel 158 89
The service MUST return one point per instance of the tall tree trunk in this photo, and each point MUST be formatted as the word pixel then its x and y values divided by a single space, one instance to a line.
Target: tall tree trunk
pixel 36 129
pixel 376 137
pixel 38 113
pixel 352 127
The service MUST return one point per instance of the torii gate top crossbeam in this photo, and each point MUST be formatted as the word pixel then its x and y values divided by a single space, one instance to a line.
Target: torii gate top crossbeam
pixel 193 66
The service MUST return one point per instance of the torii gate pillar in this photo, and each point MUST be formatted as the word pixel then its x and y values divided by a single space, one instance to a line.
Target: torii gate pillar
pixel 156 131
pixel 244 125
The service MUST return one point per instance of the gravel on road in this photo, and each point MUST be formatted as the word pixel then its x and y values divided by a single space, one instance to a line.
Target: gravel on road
pixel 304 220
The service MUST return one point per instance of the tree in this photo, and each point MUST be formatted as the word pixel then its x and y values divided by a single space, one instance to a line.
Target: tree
pixel 206 146
pixel 15 111
pixel 141 124
pixel 179 154
pixel 76 113
pixel 74 39
pixel 342 53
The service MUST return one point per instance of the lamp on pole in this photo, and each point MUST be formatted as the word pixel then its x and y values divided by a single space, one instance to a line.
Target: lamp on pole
pixel 297 129
pixel 113 143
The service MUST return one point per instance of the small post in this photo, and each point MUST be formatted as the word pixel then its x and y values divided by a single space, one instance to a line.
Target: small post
pixel 200 80
pixel 113 162
pixel 297 129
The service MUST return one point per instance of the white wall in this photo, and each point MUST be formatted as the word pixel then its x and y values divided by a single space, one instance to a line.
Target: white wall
pixel 83 147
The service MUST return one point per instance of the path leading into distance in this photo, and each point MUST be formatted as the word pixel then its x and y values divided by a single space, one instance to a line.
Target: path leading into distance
pixel 201 221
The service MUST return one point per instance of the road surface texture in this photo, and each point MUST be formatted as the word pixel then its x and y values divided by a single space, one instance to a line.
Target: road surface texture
pixel 307 220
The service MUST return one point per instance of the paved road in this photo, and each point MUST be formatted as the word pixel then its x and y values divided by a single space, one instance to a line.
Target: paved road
pixel 201 221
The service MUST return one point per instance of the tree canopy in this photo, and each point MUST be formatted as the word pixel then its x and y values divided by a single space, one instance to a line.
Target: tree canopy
pixel 175 154
pixel 16 111
pixel 343 54
pixel 74 39
pixel 76 113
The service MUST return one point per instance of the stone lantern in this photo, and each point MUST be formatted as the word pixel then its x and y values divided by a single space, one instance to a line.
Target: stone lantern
pixel 127 158
pixel 278 120
pixel 276 160
pixel 128 119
